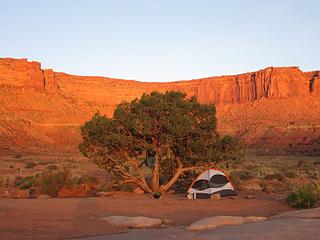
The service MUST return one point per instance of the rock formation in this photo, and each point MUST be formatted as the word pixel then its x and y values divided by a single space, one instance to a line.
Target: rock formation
pixel 41 110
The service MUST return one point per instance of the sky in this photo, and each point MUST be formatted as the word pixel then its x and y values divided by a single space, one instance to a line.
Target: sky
pixel 165 40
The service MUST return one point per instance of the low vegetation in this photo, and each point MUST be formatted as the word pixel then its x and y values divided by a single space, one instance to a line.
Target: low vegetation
pixel 304 196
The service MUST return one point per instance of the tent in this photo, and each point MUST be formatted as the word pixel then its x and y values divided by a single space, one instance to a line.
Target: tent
pixel 210 182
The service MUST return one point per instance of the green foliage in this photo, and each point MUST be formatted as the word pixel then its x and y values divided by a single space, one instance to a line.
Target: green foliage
pixel 305 196
pixel 27 182
pixel 183 184
pixel 177 128
pixel 231 149
pixel 51 182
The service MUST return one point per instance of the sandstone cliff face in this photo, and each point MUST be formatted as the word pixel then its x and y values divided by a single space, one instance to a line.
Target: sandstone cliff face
pixel 280 82
pixel 43 109
pixel 21 73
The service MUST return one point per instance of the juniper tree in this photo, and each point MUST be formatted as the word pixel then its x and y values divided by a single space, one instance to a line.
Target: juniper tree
pixel 181 132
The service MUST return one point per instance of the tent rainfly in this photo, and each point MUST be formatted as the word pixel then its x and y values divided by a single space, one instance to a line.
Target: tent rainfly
pixel 210 182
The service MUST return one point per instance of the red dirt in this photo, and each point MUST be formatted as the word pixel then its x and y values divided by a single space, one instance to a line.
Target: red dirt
pixel 72 218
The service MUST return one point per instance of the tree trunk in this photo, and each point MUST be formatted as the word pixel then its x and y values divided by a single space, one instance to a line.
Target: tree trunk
pixel 165 188
pixel 143 185
pixel 155 175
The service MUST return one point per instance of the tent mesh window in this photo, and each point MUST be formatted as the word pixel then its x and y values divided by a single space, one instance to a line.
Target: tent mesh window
pixel 200 184
pixel 218 181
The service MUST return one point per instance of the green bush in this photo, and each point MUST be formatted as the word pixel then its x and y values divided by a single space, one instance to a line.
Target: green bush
pixel 51 182
pixel 304 196
pixel 27 182
pixel 24 183
pixel 183 184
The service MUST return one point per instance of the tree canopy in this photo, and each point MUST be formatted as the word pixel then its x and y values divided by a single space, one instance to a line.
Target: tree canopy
pixel 179 131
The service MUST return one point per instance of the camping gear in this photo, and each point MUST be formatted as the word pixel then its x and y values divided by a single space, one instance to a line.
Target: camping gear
pixel 211 181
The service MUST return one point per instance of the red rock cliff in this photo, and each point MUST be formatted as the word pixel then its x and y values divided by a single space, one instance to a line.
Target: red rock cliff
pixel 47 107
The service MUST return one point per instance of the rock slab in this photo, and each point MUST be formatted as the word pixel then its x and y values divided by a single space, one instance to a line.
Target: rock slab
pixel 220 221
pixel 134 222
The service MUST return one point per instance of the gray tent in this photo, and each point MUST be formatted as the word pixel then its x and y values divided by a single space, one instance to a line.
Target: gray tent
pixel 210 182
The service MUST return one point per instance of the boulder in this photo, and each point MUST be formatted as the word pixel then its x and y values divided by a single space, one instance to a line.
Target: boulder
pixel 220 221
pixel 133 222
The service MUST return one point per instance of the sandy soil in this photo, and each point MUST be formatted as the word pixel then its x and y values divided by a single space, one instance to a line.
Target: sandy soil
pixel 79 217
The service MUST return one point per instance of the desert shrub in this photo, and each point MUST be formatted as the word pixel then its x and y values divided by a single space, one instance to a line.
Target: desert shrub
pixel 243 175
pixel 52 167
pixel 304 196
pixel 291 174
pixel 316 163
pixel 27 182
pixel 274 176
pixel 85 179
pixel 30 165
pixel 266 187
pixel 51 182
pixel 6 181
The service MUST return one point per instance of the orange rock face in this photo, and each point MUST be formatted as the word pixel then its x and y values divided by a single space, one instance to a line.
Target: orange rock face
pixel 274 109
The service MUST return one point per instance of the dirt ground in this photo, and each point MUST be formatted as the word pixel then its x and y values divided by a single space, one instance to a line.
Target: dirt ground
pixel 79 217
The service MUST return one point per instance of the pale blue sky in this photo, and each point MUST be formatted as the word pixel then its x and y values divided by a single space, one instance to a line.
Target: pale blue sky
pixel 165 40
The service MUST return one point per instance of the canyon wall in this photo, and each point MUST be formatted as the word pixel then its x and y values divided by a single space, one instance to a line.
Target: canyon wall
pixel 277 107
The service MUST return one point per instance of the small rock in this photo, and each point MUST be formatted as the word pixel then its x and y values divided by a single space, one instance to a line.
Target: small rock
pixel 234 197
pixel 32 193
pixel 44 196
pixel 138 191
pixel 250 197
pixel 215 196
pixel 103 194
pixel 133 222
pixel 219 221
